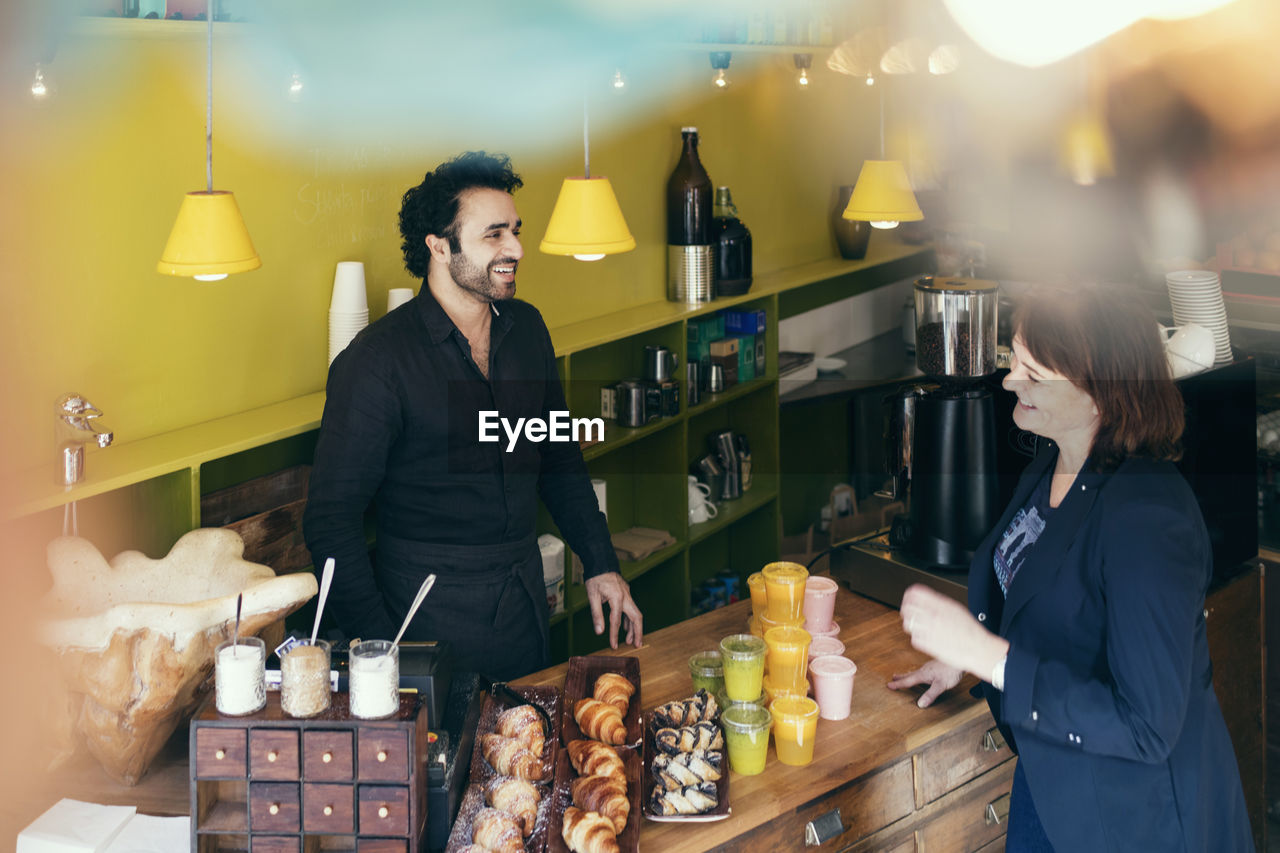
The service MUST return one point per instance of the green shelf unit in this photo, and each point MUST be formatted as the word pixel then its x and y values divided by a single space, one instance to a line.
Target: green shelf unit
pixel 143 494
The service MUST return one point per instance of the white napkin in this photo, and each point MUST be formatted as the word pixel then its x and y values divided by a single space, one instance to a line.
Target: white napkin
pixel 149 834
pixel 73 826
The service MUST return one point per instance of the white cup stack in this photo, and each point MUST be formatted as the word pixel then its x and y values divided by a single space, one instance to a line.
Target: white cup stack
pixel 1196 298
pixel 349 307
pixel 398 296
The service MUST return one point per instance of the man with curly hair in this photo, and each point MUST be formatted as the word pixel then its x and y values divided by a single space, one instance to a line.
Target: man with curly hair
pixel 400 432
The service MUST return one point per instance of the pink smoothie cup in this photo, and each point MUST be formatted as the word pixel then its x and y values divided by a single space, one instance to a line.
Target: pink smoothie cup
pixel 819 603
pixel 832 631
pixel 825 646
pixel 832 685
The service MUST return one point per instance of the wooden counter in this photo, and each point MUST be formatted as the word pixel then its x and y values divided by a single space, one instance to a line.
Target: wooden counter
pixel 903 778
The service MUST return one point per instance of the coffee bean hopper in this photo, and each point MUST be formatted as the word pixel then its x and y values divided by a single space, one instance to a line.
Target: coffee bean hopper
pixel 941 435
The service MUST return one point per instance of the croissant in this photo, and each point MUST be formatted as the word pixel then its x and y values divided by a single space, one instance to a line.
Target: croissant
pixel 592 758
pixel 588 832
pixel 497 831
pixel 604 795
pixel 600 721
pixel 615 690
pixel 510 758
pixel 517 798
pixel 524 724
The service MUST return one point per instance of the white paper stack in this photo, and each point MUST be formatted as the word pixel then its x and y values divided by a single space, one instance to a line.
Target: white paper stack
pixel 349 306
pixel 73 826
pixel 1196 297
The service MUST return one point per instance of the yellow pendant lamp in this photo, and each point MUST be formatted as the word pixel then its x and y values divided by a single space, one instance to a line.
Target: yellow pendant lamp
pixel 882 195
pixel 209 240
pixel 587 221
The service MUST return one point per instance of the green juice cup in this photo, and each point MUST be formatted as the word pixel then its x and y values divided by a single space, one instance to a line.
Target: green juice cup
pixel 742 656
pixel 707 672
pixel 746 734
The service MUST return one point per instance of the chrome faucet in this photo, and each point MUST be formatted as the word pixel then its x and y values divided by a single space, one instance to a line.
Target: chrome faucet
pixel 74 429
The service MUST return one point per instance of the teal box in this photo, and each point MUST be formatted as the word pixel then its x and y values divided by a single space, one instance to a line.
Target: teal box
pixel 746 357
pixel 706 329
pixel 699 351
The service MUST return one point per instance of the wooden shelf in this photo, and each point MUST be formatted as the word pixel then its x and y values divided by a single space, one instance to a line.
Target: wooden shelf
pixel 760 494
pixel 741 389
pixel 616 436
pixel 574 337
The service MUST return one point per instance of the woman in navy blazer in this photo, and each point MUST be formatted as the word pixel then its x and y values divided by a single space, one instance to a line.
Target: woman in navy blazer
pixel 1086 602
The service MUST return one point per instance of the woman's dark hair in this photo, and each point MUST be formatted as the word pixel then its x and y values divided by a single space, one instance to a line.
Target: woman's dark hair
pixel 1108 345
pixel 432 206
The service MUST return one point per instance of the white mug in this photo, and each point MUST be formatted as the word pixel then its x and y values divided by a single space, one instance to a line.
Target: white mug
pixel 700 509
pixel 1190 349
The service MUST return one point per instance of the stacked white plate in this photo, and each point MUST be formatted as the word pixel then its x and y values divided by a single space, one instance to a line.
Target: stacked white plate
pixel 348 308
pixel 1196 297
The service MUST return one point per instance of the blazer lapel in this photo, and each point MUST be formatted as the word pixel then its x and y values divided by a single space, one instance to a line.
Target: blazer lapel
pixel 1047 553
pixel 983 590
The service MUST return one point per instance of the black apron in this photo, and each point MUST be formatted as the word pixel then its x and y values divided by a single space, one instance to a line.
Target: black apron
pixel 489 602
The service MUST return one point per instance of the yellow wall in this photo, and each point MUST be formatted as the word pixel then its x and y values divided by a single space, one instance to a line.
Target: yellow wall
pixel 93 176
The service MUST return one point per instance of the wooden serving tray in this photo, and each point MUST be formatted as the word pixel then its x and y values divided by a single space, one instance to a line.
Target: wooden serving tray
pixel 720 812
pixel 629 839
pixel 580 682
pixel 473 801
pixel 546 697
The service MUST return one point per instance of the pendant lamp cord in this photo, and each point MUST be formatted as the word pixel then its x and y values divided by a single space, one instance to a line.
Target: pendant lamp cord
pixel 208 114
pixel 586 140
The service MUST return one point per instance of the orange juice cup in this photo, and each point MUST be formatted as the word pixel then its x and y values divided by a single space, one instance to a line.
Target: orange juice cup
pixel 759 597
pixel 795 727
pixel 766 623
pixel 784 587
pixel 833 685
pixel 788 657
pixel 773 691
pixel 755 627
pixel 819 603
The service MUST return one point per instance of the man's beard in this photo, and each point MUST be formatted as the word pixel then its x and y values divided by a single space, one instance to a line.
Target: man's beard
pixel 478 281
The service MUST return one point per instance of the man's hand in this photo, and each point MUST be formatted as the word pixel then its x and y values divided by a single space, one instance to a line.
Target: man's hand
pixel 944 628
pixel 610 587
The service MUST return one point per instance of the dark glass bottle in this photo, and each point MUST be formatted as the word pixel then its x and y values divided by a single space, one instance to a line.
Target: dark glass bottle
pixel 689 197
pixel 733 247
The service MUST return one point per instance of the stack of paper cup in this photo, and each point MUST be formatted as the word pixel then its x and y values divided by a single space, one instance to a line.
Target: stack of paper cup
pixel 398 296
pixel 1196 298
pixel 348 308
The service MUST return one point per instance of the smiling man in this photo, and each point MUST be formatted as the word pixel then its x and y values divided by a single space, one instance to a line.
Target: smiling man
pixel 401 431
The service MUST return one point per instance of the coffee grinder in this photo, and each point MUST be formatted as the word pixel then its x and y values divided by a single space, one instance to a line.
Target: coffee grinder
pixel 941 435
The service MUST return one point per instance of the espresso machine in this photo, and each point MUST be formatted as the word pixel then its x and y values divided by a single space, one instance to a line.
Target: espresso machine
pixel 941 445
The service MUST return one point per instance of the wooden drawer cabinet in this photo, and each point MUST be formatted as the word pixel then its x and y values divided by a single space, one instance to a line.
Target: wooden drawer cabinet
pixel 972 816
pixel 327 756
pixel 328 809
pixel 384 809
pixel 273 754
pixel 383 756
pixel 269 782
pixel 955 758
pixel 219 754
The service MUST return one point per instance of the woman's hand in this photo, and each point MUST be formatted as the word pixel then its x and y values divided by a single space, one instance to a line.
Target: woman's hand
pixel 939 676
pixel 944 629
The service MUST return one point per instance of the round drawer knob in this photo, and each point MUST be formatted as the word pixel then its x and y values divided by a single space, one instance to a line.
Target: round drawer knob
pixel 272 755
pixel 382 755
pixel 220 754
pixel 383 811
pixel 328 810
pixel 327 757
pixel 274 809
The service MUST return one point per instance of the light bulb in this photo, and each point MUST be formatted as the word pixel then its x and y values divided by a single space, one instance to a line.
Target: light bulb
pixel 215 277
pixel 804 62
pixel 295 88
pixel 619 81
pixel 588 257
pixel 871 81
pixel 39 89
pixel 803 80
pixel 721 80
pixel 884 223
